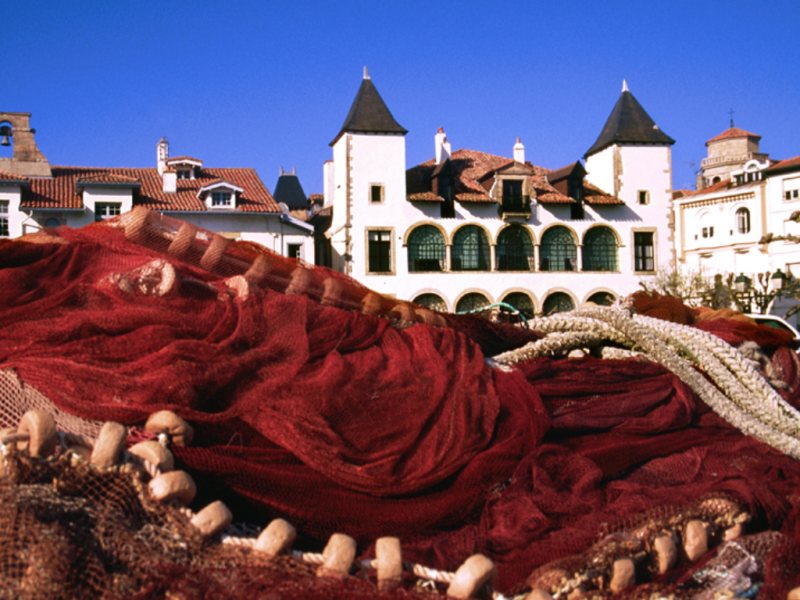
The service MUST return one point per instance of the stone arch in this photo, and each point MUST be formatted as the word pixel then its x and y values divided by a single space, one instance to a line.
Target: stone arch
pixel 514 248
pixel 558 300
pixel 470 249
pixel 468 300
pixel 558 249
pixel 514 297
pixel 600 249
pixel 432 299
pixel 601 296
pixel 425 245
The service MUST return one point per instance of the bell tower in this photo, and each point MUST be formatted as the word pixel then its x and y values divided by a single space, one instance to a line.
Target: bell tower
pixel 26 159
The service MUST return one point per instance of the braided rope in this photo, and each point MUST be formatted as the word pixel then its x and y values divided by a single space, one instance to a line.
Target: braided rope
pixel 720 375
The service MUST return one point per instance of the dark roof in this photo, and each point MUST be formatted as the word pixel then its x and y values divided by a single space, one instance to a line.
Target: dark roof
pixel 369 114
pixel 289 191
pixel 629 123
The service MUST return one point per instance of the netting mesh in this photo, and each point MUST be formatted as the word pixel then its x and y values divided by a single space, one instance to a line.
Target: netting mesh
pixel 339 409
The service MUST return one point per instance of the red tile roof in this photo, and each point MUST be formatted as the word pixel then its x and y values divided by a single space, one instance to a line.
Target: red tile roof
pixel 789 164
pixel 716 187
pixel 5 176
pixel 733 132
pixel 594 196
pixel 107 177
pixel 60 191
pixel 425 197
pixel 472 172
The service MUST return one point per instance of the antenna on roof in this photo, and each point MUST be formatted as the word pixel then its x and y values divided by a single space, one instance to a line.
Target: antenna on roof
pixel 730 112
pixel 366 73
pixel 625 86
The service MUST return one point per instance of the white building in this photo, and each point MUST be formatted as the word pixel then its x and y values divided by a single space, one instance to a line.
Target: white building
pixel 468 228
pixel 231 201
pixel 745 221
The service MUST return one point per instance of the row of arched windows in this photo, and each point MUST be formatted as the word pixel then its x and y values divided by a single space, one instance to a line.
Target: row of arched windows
pixel 474 301
pixel 514 250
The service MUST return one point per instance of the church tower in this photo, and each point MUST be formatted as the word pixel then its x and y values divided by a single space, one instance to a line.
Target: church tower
pixel 366 186
pixel 632 159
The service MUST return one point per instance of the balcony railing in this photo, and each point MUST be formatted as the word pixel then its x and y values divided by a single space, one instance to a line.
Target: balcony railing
pixel 515 205
pixel 739 158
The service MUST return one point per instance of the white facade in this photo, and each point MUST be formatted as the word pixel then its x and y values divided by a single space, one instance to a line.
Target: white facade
pixel 34 195
pixel 744 226
pixel 363 160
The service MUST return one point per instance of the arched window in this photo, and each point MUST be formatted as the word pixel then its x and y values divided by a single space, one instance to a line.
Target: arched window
pixel 432 301
pixel 743 220
pixel 470 249
pixel 514 249
pixel 521 301
pixel 558 251
pixel 471 302
pixel 599 250
pixel 426 249
pixel 557 302
pixel 602 298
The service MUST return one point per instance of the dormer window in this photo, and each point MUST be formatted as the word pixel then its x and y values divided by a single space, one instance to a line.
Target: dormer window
pixel 221 199
pixel 514 200
pixel 220 195
pixel 185 174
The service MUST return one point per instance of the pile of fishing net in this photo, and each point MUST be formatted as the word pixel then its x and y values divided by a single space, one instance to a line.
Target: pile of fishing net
pixel 604 453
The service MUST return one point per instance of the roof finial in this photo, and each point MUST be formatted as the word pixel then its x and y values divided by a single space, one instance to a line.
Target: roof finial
pixel 625 86
pixel 730 112
pixel 366 73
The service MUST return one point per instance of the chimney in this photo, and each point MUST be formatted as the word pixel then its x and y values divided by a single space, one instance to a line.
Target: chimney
pixel 162 154
pixel 442 146
pixel 169 180
pixel 519 152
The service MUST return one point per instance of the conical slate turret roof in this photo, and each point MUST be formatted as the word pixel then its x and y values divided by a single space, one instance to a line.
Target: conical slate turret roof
pixel 629 123
pixel 369 113
pixel 289 191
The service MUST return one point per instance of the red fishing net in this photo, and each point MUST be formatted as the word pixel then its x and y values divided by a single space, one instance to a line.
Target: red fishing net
pixel 316 400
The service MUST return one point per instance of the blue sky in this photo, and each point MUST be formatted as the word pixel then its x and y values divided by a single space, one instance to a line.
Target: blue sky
pixel 265 84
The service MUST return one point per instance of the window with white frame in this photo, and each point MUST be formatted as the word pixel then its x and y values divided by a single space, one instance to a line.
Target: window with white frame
pixel 643 251
pixel 221 199
pixel 379 251
pixel 106 210
pixel 4 229
pixel 791 188
pixel 742 220
pixel 643 197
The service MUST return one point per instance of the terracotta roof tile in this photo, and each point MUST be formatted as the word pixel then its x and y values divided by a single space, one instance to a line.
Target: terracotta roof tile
pixel 594 196
pixel 106 177
pixel 425 197
pixel 472 171
pixel 6 176
pixel 716 187
pixel 731 133
pixel 60 191
pixel 789 164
